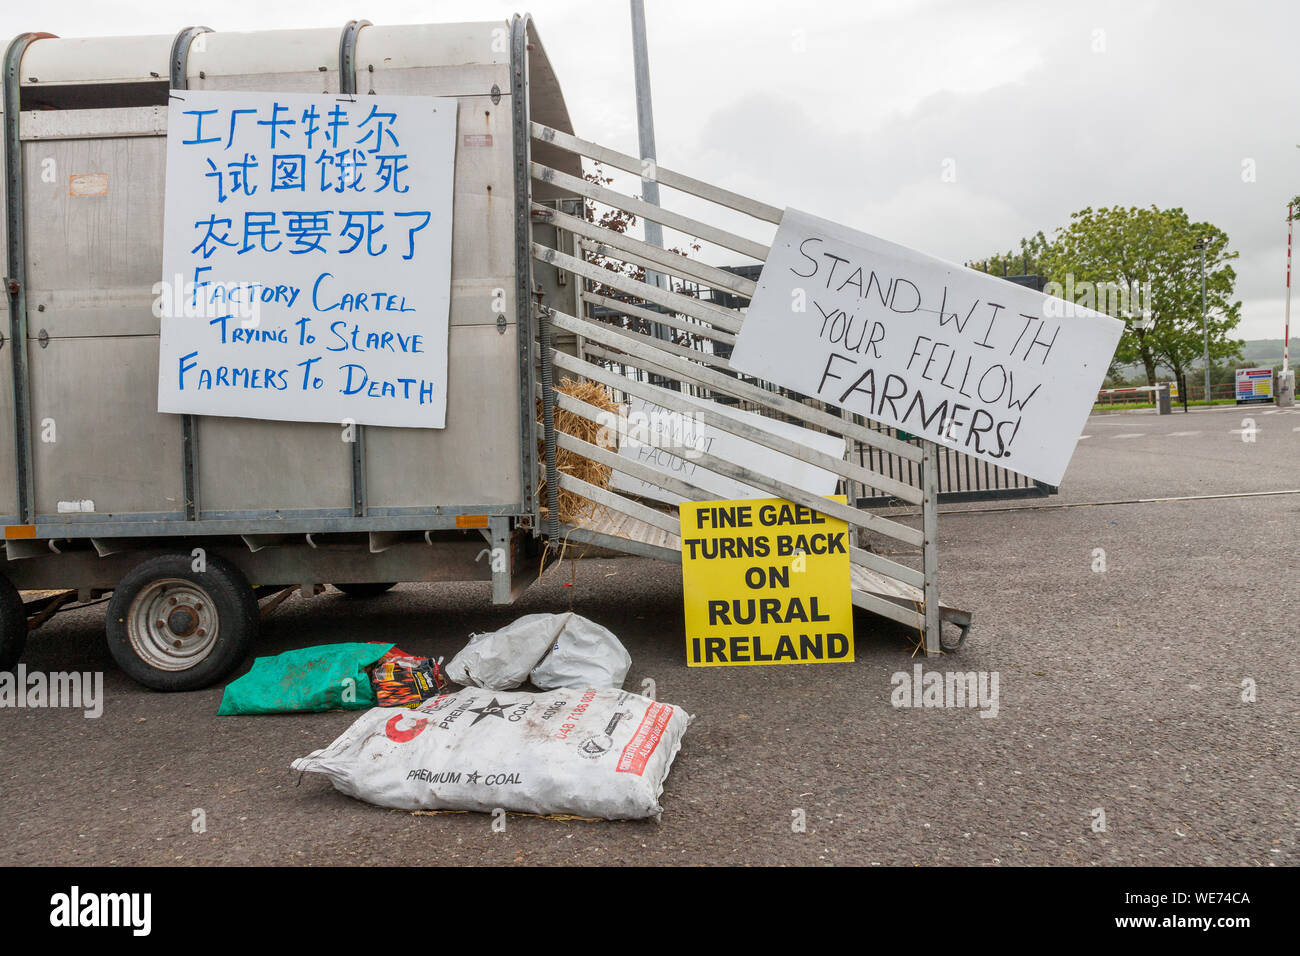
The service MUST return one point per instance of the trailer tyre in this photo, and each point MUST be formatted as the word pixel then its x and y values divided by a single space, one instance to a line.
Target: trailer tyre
pixel 173 628
pixel 366 590
pixel 13 625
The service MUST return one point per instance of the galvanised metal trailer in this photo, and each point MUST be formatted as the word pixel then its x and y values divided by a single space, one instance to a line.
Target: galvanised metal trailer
pixel 187 520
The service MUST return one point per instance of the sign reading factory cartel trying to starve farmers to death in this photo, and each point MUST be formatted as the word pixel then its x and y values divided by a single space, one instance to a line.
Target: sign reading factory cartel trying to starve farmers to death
pixel 307 257
pixel 984 366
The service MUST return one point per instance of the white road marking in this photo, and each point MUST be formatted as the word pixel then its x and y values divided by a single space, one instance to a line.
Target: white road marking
pixel 1182 434
pixel 1129 435
pixel 1082 437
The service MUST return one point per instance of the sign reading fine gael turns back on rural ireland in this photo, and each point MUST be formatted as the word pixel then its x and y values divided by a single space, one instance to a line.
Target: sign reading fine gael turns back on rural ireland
pixel 987 367
pixel 307 257
pixel 765 581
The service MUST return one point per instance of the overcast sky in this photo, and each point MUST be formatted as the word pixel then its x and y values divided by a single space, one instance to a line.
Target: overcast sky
pixel 854 110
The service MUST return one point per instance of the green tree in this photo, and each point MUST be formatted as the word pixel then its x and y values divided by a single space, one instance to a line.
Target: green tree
pixel 1028 261
pixel 1155 252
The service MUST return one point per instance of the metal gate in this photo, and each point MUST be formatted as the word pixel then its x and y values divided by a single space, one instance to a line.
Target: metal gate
pixel 961 477
pixel 612 350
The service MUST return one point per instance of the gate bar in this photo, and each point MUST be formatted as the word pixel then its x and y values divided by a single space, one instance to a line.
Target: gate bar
pixel 858 556
pixel 665 177
pixel 663 318
pixel 665 217
pixel 620 339
pixel 682 266
pixel 781 489
pixel 685 304
pixel 842 468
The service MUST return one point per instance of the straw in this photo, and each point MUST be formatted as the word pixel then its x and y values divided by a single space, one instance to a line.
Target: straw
pixel 573 506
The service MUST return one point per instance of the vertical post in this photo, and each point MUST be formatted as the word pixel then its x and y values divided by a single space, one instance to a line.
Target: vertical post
pixel 525 322
pixel 579 307
pixel 180 79
pixel 1286 337
pixel 548 421
pixel 348 87
pixel 16 281
pixel 930 546
pixel 498 536
pixel 1205 328
pixel 1285 397
pixel 645 128
pixel 359 494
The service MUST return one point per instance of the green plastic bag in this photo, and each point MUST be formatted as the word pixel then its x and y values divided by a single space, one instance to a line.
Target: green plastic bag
pixel 328 677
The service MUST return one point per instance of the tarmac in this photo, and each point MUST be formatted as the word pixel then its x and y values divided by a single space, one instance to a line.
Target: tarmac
pixel 1148 695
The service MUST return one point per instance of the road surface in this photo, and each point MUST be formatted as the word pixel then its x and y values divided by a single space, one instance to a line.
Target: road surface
pixel 1120 693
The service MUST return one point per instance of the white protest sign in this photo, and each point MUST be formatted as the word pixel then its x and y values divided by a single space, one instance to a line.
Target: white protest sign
pixel 980 364
pixel 665 429
pixel 307 257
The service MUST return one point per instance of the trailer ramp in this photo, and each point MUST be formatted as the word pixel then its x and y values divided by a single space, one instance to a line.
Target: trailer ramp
pixel 638 319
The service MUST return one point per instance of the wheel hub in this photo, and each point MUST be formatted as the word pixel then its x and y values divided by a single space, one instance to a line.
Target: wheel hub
pixel 183 621
pixel 172 624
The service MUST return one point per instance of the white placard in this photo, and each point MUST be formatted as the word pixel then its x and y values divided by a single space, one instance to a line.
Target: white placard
pixel 987 367
pixel 670 429
pixel 307 257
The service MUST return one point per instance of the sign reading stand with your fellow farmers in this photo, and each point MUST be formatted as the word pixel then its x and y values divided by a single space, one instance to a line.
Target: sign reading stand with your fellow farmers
pixel 982 365
pixel 307 257
pixel 765 581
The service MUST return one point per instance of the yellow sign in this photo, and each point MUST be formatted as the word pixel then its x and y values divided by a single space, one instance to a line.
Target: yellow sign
pixel 765 582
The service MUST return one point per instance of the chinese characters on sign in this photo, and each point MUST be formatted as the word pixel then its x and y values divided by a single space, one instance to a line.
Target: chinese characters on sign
pixel 307 257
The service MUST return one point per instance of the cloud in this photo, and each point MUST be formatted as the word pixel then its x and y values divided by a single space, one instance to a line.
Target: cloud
pixel 849 109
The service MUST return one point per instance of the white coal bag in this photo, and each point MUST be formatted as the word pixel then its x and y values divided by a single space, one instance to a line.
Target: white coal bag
pixel 502 660
pixel 587 751
pixel 584 655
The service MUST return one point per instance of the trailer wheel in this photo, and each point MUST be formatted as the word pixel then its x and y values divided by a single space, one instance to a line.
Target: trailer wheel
pixel 365 590
pixel 173 628
pixel 13 625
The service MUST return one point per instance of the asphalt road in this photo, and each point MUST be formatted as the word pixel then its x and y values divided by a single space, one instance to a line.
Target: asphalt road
pixel 1119 690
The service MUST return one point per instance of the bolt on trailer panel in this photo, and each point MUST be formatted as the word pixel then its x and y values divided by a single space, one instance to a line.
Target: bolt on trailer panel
pixel 96 458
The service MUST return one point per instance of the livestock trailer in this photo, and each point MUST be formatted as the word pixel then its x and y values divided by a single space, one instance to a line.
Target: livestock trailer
pixel 188 519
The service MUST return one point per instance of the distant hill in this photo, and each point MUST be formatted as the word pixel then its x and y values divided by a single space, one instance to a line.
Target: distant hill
pixel 1253 352
pixel 1268 351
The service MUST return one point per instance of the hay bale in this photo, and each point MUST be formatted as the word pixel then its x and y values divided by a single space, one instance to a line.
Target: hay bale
pixel 574 507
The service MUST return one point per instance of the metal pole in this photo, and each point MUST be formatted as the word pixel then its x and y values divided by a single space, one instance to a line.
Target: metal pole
pixel 1286 338
pixel 645 126
pixel 1285 397
pixel 930 546
pixel 1205 329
